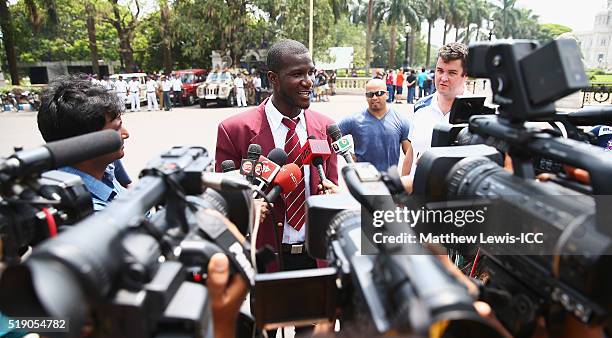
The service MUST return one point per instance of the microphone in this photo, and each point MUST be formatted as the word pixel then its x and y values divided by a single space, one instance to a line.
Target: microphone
pixel 342 144
pixel 224 182
pixel 271 165
pixel 315 152
pixel 287 180
pixel 247 166
pixel 227 165
pixel 61 153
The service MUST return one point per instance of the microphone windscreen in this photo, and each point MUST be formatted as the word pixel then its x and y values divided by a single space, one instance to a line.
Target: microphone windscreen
pixel 84 147
pixel 334 132
pixel 227 165
pixel 254 151
pixel 288 177
pixel 278 156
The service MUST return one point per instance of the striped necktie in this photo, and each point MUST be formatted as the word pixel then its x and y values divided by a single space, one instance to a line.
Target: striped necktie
pixel 296 199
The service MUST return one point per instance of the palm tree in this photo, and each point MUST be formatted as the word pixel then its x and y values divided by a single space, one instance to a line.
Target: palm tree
pixel 432 11
pixel 369 18
pixel 506 18
pixel 477 13
pixel 395 13
pixel 8 40
pixel 528 27
pixel 457 12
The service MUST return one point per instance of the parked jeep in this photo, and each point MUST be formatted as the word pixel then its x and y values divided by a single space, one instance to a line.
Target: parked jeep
pixel 191 79
pixel 219 88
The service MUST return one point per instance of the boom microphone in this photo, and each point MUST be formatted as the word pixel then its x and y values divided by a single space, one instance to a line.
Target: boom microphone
pixel 58 154
pixel 287 180
pixel 342 144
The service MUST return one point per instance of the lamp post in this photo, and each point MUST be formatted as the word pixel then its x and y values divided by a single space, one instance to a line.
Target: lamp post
pixel 407 50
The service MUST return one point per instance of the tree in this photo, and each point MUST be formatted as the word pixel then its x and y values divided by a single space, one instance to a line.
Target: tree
pixel 432 11
pixel 125 22
pixel 505 18
pixel 166 35
pixel 370 18
pixel 550 31
pixel 478 11
pixel 90 10
pixel 394 13
pixel 8 40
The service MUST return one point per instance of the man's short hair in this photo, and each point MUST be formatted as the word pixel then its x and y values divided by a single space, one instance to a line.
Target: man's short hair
pixel 280 49
pixel 73 106
pixel 455 51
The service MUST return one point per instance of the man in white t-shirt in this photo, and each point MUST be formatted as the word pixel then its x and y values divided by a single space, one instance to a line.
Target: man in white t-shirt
pixel 151 94
pixel 177 87
pixel 257 86
pixel 166 89
pixel 451 74
pixel 121 88
pixel 240 95
pixel 134 87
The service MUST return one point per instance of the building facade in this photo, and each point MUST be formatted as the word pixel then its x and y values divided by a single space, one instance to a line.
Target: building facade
pixel 595 44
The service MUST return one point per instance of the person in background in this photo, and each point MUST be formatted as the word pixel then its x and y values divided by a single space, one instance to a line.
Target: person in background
pixel 399 85
pixel 240 94
pixel 411 86
pixel 390 80
pixel 134 87
pixel 151 94
pixel 177 88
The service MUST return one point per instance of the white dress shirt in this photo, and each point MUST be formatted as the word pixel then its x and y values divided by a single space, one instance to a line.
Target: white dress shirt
pixel 134 87
pixel 151 86
pixel 177 84
pixel 121 86
pixel 279 133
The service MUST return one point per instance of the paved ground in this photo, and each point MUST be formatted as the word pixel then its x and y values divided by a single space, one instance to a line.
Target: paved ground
pixel 156 131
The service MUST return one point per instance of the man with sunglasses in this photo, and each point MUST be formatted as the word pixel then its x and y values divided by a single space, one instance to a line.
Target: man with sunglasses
pixel 450 77
pixel 378 131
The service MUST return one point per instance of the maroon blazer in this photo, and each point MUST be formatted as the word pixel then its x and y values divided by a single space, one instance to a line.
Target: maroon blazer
pixel 251 127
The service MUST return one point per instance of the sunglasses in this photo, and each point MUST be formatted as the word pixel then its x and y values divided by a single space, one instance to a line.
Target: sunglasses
pixel 377 93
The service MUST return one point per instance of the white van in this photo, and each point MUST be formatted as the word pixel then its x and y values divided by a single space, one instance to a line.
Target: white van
pixel 127 77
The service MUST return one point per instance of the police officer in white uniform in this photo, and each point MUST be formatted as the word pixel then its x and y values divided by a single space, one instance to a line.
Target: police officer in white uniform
pixel 134 88
pixel 240 94
pixel 152 94
pixel 451 74
pixel 121 88
pixel 177 87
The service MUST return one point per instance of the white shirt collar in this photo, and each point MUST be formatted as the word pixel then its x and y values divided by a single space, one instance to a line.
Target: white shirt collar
pixel 275 117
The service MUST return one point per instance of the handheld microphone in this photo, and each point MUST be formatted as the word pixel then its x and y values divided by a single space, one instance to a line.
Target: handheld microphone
pixel 271 164
pixel 61 153
pixel 227 165
pixel 315 152
pixel 247 166
pixel 287 180
pixel 342 144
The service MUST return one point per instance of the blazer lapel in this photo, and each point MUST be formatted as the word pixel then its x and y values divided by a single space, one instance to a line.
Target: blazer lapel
pixel 263 133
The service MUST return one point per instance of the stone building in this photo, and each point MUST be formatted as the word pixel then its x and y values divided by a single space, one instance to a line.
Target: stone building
pixel 596 44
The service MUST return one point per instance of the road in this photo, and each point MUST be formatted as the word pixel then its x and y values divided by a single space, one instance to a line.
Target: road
pixel 152 132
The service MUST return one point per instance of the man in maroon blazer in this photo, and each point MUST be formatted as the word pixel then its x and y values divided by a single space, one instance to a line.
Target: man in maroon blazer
pixel 291 73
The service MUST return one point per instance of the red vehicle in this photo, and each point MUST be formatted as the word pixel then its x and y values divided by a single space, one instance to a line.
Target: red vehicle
pixel 191 79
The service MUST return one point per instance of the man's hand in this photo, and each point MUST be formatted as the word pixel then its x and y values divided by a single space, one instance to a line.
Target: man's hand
pixel 226 298
pixel 262 208
pixel 328 187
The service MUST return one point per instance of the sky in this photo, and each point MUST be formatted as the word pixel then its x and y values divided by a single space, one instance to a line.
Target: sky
pixel 576 14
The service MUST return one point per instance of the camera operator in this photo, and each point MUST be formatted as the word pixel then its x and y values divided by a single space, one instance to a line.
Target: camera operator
pixel 451 74
pixel 73 106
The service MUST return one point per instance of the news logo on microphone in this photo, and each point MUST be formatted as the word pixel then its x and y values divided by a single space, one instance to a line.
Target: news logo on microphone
pixel 344 144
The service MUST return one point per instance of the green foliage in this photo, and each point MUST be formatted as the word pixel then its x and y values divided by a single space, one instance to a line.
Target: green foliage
pixel 550 31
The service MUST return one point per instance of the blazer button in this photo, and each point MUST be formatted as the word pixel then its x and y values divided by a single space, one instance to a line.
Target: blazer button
pixel 280 224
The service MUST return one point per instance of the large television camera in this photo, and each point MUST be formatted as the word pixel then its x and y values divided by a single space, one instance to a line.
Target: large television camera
pixel 374 294
pixel 123 274
pixel 35 203
pixel 570 272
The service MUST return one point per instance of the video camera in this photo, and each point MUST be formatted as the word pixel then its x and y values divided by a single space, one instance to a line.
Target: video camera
pixel 573 275
pixel 372 294
pixel 36 203
pixel 128 275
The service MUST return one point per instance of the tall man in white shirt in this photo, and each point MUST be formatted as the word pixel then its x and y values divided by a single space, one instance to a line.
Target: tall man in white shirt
pixel 177 87
pixel 134 87
pixel 451 74
pixel 151 94
pixel 166 89
pixel 121 88
pixel 257 86
pixel 240 95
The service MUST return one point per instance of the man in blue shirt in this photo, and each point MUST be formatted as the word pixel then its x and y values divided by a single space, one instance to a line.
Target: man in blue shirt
pixel 378 131
pixel 73 106
pixel 421 78
pixel 604 136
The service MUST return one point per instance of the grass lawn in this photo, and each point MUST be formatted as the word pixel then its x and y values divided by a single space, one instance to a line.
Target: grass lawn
pixel 603 78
